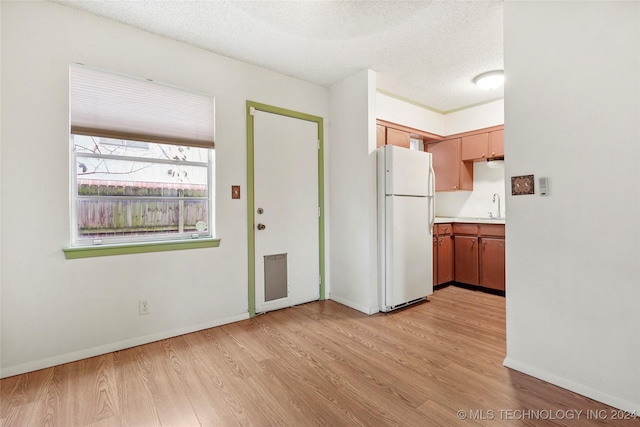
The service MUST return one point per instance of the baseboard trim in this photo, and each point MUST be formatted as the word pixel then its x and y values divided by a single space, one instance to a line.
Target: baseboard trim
pixel 116 346
pixel 567 384
pixel 351 304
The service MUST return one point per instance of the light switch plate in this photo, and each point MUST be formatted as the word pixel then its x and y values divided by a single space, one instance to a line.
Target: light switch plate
pixel 235 191
pixel 521 185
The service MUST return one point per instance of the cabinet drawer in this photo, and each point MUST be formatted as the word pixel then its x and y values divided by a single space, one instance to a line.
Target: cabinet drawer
pixel 444 229
pixel 491 230
pixel 465 229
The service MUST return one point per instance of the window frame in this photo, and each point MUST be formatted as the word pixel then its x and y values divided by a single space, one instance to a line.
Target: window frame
pixel 139 243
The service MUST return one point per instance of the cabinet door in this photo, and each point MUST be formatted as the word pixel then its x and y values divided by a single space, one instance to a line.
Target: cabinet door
pixel 451 174
pixel 381 135
pixel 496 143
pixel 475 147
pixel 398 137
pixel 492 263
pixel 435 260
pixel 466 259
pixel 445 259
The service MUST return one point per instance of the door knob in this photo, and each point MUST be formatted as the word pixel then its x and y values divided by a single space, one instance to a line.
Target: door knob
pixel 261 226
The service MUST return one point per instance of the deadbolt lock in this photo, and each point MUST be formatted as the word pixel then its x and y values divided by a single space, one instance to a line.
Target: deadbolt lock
pixel 260 211
pixel 261 226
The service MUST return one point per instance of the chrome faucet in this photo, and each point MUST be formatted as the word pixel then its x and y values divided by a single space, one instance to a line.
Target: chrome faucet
pixel 497 196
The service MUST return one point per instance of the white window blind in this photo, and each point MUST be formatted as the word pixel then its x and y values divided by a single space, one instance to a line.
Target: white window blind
pixel 115 106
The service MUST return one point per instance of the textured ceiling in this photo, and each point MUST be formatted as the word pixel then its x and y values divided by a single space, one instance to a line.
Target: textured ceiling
pixel 424 51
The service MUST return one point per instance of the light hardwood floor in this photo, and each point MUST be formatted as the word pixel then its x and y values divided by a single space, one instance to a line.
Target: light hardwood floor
pixel 318 364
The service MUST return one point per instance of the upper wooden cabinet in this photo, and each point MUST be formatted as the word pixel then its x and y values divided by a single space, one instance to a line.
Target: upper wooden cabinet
pixel 386 135
pixel 453 157
pixel 475 147
pixel 496 143
pixel 381 136
pixel 451 173
pixel 398 137
pixel 481 146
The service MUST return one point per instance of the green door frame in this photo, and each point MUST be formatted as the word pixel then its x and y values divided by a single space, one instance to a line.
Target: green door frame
pixel 251 107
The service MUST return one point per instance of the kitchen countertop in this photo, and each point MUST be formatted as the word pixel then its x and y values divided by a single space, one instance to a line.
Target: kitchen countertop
pixel 448 219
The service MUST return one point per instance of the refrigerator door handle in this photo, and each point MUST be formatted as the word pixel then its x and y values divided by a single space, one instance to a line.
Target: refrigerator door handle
pixel 432 180
pixel 432 199
pixel 432 213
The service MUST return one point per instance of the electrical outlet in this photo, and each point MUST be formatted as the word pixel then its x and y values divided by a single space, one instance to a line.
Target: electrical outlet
pixel 143 307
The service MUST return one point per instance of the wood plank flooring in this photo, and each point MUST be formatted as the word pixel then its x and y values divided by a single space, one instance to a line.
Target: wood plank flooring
pixel 318 364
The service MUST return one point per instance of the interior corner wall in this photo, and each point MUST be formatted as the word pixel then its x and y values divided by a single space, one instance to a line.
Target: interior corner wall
pixel 55 310
pixel 352 167
pixel 572 103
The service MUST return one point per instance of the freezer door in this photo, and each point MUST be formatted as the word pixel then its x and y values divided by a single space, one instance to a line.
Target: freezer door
pixel 407 172
pixel 408 251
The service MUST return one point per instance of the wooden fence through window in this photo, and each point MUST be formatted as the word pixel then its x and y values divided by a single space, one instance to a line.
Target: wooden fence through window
pixel 139 208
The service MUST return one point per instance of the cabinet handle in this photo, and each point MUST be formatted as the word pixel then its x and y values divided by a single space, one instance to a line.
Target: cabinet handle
pixel 493 153
pixel 455 187
pixel 484 155
pixel 484 243
pixel 440 242
pixel 473 243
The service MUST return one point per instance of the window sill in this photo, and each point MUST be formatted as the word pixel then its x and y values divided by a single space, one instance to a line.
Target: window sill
pixel 138 248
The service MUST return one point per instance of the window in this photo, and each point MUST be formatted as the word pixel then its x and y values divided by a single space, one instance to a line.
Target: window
pixel 142 160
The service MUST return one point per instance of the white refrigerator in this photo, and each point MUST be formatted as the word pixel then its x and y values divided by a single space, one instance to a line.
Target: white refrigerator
pixel 406 213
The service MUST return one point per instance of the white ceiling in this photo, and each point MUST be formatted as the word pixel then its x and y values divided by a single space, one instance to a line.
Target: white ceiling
pixel 424 51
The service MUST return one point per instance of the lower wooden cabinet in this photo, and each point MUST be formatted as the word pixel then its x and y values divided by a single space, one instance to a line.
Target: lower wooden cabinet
pixel 480 255
pixel 492 265
pixel 473 254
pixel 466 259
pixel 445 259
pixel 442 254
pixel 435 258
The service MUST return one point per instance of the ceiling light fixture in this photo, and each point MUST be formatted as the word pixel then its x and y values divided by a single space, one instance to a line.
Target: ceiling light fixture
pixel 489 80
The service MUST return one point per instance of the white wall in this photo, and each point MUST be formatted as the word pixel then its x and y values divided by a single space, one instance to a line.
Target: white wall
pixel 56 310
pixel 402 112
pixel 352 168
pixel 478 117
pixel 573 257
